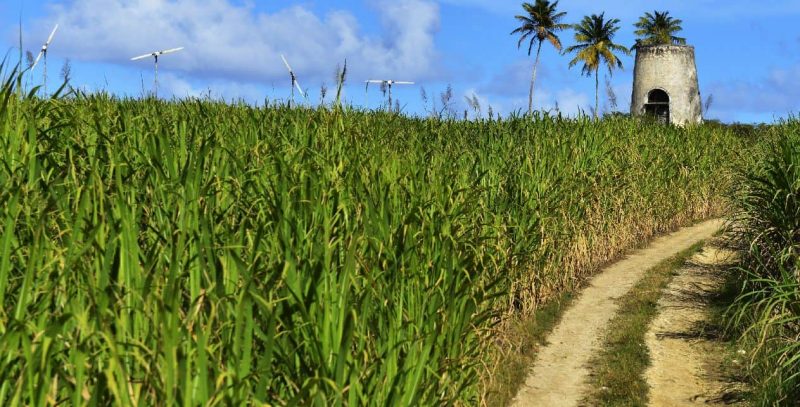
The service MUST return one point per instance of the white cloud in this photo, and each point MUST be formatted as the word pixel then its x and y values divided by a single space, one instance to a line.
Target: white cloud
pixel 181 86
pixel 177 86
pixel 568 101
pixel 514 79
pixel 777 93
pixel 571 102
pixel 508 89
pixel 227 40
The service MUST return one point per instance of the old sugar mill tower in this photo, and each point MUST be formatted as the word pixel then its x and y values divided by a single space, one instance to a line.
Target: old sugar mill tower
pixel 665 84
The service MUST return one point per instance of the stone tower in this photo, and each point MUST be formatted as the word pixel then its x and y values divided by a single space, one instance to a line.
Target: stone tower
pixel 665 84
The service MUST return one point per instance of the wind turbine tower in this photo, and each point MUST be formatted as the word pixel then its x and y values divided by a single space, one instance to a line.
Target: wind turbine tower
pixel 388 83
pixel 43 53
pixel 295 83
pixel 155 56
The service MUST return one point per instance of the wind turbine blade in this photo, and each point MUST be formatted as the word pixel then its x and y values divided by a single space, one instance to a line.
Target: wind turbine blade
pixel 285 62
pixel 375 81
pixel 403 83
pixel 52 34
pixel 38 57
pixel 300 88
pixel 169 51
pixel 141 57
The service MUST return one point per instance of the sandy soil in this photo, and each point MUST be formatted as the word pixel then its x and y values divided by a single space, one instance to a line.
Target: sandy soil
pixel 684 351
pixel 559 375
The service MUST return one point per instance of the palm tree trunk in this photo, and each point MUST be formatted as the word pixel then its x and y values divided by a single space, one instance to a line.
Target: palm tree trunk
pixel 596 92
pixel 533 78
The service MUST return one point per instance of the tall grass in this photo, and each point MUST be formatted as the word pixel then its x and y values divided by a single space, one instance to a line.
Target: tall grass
pixel 768 310
pixel 199 253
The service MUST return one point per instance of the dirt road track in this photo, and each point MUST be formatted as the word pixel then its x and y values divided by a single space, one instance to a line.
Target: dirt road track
pixel 685 354
pixel 559 375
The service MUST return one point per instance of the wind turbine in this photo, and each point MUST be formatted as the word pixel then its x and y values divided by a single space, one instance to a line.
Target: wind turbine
pixel 388 83
pixel 155 56
pixel 295 84
pixel 43 52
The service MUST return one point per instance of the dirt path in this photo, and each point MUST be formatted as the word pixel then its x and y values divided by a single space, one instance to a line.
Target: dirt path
pixel 684 353
pixel 559 375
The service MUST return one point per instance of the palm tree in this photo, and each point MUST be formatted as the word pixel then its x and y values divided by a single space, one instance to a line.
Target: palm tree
pixel 595 47
pixel 541 24
pixel 658 29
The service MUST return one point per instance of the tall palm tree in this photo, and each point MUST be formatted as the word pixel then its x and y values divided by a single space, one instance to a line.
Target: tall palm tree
pixel 658 29
pixel 595 47
pixel 541 24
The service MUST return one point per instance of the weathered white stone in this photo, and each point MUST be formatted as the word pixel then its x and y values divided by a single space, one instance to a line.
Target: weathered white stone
pixel 672 69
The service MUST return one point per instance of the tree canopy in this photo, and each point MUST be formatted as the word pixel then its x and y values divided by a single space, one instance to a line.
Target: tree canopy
pixel 658 28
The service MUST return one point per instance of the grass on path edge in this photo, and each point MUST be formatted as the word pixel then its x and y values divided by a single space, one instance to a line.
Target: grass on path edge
pixel 617 372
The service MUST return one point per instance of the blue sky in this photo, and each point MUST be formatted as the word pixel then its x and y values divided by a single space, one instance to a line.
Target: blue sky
pixel 748 55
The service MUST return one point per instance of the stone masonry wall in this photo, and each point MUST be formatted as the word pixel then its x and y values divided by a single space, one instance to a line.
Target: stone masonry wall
pixel 672 69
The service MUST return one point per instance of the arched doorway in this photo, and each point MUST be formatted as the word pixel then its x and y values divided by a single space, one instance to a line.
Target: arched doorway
pixel 658 105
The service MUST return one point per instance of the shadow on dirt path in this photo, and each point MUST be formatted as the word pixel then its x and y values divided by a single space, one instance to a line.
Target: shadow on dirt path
pixel 685 346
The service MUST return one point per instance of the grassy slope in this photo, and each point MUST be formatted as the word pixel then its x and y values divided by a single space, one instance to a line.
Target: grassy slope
pixel 195 252
pixel 766 314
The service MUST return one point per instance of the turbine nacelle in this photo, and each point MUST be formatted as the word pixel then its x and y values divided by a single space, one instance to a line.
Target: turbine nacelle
pixel 46 45
pixel 388 84
pixel 157 54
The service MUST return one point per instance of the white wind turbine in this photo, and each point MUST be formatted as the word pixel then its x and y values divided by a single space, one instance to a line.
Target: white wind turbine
pixel 155 56
pixel 388 83
pixel 43 53
pixel 295 83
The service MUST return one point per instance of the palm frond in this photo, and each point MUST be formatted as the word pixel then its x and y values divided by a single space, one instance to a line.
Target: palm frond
pixel 576 47
pixel 619 48
pixel 555 41
pixel 540 23
pixel 594 42
pixel 595 46
pixel 658 28
pixel 522 39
